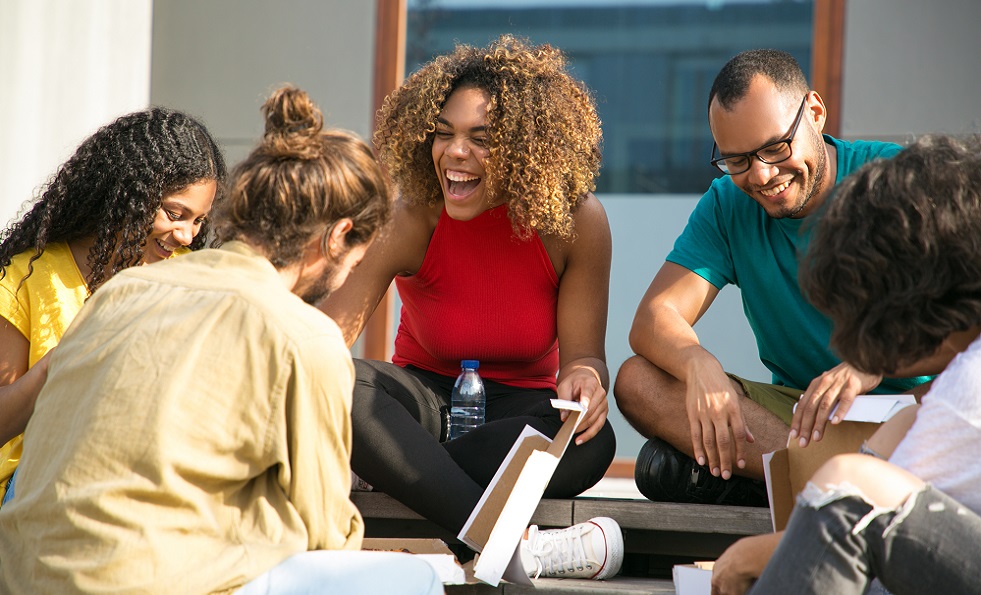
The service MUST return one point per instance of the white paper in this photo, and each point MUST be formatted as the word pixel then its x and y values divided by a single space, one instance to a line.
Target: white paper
pixel 767 476
pixel 874 408
pixel 570 405
pixel 691 580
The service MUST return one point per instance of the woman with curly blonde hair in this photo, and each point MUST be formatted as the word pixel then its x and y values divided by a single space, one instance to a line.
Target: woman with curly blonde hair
pixel 500 253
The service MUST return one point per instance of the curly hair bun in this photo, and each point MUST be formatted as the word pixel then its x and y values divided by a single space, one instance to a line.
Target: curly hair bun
pixel 293 124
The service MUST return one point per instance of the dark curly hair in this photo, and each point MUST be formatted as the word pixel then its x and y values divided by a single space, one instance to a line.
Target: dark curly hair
pixel 112 188
pixel 732 82
pixel 299 180
pixel 895 261
pixel 543 133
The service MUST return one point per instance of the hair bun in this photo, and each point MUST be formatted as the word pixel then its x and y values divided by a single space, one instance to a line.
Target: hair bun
pixel 293 124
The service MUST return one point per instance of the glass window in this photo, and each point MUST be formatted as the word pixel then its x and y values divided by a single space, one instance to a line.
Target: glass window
pixel 649 63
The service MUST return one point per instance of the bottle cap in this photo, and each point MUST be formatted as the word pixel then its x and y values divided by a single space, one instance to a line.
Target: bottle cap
pixel 470 363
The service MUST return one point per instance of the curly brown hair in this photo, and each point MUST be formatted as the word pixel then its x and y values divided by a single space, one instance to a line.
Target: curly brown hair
pixel 112 188
pixel 299 180
pixel 543 132
pixel 895 261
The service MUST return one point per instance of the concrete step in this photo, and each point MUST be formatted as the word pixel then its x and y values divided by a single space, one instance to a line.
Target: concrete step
pixel 619 585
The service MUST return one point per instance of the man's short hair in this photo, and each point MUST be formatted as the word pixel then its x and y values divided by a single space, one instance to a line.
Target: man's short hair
pixel 732 82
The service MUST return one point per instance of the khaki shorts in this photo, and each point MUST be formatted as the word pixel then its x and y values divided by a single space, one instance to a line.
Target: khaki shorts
pixel 779 400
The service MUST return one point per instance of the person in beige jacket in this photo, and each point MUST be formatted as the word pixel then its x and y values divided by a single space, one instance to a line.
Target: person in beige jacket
pixel 196 416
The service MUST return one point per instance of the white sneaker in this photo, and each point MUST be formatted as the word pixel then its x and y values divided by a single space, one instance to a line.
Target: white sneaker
pixel 593 549
pixel 359 485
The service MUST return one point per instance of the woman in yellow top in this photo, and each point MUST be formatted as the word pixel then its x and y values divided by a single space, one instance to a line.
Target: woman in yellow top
pixel 137 191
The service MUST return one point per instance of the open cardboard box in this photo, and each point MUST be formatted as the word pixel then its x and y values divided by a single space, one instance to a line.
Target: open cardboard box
pixel 788 470
pixel 498 522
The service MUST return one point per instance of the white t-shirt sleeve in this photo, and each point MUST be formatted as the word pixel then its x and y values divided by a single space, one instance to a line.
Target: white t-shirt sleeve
pixel 941 447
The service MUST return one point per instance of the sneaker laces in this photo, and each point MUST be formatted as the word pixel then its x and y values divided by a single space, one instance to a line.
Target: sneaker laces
pixel 558 551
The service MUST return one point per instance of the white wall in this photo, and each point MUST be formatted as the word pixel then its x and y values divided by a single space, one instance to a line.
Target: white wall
pixel 644 230
pixel 219 59
pixel 66 68
pixel 70 66
pixel 911 67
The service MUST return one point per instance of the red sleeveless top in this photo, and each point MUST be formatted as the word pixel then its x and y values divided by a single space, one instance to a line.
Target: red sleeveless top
pixel 482 293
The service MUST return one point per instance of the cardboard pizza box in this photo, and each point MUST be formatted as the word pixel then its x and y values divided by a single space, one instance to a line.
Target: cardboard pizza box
pixel 499 520
pixel 788 470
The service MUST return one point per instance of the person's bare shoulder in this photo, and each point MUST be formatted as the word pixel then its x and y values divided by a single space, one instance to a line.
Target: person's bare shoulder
pixel 591 236
pixel 406 237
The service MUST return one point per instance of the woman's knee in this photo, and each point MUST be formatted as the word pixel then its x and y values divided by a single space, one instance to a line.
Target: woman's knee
pixel 606 444
pixel 881 482
pixel 584 465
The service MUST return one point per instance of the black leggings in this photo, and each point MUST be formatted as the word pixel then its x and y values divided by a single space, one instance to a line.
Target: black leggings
pixel 397 419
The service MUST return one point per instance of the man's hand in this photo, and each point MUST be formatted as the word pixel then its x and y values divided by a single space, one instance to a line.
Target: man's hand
pixel 583 384
pixel 838 386
pixel 742 563
pixel 718 433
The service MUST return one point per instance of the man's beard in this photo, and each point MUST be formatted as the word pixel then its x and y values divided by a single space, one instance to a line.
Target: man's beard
pixel 320 289
pixel 817 175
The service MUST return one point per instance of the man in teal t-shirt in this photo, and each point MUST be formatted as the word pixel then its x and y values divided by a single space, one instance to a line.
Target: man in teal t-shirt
pixel 750 229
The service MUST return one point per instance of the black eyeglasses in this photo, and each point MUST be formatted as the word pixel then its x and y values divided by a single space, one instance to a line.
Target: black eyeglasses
pixel 769 154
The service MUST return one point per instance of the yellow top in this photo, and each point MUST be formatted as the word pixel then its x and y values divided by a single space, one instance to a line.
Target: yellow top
pixel 41 309
pixel 203 435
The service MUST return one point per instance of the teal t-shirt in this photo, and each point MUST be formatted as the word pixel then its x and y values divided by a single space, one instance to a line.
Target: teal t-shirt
pixel 730 239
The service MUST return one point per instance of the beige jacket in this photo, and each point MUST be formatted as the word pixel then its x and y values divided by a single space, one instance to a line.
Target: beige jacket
pixel 194 432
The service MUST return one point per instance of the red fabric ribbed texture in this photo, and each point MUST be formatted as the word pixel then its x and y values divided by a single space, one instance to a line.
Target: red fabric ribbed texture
pixel 482 293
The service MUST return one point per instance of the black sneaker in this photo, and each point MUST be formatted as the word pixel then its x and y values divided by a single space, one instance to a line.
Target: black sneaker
pixel 664 474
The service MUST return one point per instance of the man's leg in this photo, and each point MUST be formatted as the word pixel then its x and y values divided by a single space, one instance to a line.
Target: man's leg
pixel 653 402
pixel 861 517
pixel 347 572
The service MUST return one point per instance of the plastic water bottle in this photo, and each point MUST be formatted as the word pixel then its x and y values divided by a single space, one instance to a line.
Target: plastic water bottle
pixel 467 400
